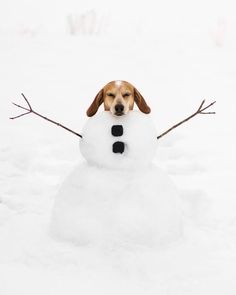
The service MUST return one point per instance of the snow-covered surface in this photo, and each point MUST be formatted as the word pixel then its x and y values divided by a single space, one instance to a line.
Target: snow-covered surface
pixel 174 67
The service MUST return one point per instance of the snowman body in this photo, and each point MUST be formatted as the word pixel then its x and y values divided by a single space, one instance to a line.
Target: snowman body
pixel 118 195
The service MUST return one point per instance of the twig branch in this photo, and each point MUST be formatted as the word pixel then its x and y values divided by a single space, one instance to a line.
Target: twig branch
pixel 200 110
pixel 20 116
pixel 31 111
pixel 27 101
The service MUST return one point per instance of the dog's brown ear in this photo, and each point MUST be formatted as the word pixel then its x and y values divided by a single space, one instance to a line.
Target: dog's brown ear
pixel 141 103
pixel 98 100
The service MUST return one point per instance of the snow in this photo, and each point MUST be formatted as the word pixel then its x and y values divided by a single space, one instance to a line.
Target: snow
pixel 174 64
pixel 117 198
pixel 101 206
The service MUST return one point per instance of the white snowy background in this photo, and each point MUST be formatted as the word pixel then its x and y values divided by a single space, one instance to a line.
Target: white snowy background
pixel 59 54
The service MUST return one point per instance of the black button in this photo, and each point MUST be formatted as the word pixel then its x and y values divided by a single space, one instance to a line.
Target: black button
pixel 117 130
pixel 118 147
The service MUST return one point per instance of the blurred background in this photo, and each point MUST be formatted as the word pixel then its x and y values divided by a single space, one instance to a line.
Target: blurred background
pixel 210 18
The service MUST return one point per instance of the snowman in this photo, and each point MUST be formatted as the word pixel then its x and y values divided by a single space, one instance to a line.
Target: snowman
pixel 117 195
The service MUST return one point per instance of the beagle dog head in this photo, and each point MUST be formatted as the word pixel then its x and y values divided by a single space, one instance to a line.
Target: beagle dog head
pixel 118 97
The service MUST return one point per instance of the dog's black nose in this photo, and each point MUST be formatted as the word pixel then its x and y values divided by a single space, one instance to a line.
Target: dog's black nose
pixel 119 108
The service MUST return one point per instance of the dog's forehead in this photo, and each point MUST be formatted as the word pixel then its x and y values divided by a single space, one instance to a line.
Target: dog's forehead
pixel 118 84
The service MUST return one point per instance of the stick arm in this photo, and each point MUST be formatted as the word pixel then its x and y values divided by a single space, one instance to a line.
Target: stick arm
pixel 200 110
pixel 30 110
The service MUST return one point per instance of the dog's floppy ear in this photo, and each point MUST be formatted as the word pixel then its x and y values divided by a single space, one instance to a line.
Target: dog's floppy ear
pixel 98 100
pixel 141 103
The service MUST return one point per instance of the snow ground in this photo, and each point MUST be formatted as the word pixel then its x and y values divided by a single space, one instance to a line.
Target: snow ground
pixel 61 74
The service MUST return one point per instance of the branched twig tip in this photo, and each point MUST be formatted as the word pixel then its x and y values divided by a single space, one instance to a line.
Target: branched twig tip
pixel 30 110
pixel 200 110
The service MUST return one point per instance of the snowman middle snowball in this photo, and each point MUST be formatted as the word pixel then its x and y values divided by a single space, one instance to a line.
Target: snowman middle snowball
pixel 128 142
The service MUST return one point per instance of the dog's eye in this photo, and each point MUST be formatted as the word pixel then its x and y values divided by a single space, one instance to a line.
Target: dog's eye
pixel 126 94
pixel 110 94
